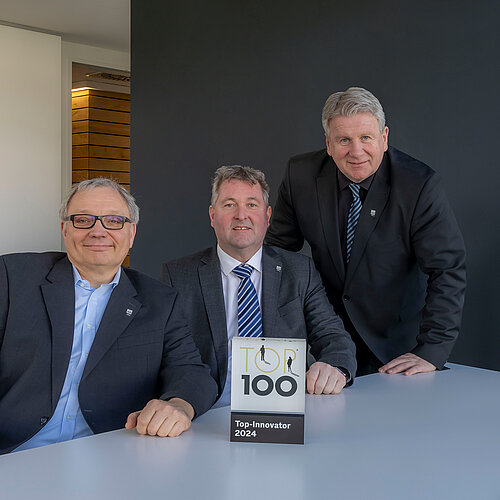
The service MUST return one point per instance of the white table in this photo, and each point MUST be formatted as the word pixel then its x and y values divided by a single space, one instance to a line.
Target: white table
pixel 430 436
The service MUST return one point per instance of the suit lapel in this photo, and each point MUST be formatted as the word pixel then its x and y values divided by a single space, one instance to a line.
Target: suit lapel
pixel 59 297
pixel 373 207
pixel 327 187
pixel 120 311
pixel 271 279
pixel 213 297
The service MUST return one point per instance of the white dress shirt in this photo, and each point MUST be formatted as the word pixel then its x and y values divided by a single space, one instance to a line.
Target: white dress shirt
pixel 230 283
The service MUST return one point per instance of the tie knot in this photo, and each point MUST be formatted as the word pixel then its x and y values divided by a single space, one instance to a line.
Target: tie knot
pixel 243 271
pixel 355 190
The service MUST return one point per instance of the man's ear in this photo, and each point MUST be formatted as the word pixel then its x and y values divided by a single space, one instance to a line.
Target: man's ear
pixel 327 145
pixel 385 135
pixel 211 215
pixel 133 229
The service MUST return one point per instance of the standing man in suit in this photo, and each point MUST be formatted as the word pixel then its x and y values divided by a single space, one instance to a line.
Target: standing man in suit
pixel 382 235
pixel 288 297
pixel 87 346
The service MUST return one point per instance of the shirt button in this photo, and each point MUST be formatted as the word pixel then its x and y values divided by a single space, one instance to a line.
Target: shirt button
pixel 347 298
pixel 88 326
pixel 69 417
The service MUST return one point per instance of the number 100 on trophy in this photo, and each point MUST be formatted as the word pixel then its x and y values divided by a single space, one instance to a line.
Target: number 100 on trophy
pixel 268 375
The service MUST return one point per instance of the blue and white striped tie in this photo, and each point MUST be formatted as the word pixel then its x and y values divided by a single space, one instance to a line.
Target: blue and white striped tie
pixel 249 315
pixel 352 218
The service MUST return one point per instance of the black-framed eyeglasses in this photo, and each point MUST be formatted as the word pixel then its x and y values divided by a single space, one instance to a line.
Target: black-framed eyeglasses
pixel 87 221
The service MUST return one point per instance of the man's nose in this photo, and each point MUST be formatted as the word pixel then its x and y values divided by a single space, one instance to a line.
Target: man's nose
pixel 356 148
pixel 241 212
pixel 98 228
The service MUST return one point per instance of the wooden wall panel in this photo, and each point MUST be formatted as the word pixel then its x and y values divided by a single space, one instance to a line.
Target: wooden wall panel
pixel 122 178
pixel 90 151
pixel 101 103
pixel 101 115
pixel 101 137
pixel 101 127
pixel 117 141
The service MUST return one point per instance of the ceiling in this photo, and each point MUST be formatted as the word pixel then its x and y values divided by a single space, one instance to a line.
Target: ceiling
pixel 102 23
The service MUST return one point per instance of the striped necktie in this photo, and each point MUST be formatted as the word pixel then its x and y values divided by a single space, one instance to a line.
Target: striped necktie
pixel 249 315
pixel 352 218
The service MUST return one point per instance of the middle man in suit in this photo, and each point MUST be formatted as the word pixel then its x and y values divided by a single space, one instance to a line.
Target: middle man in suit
pixel 285 288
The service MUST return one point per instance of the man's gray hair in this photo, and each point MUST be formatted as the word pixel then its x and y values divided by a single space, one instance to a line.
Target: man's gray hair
pixel 99 182
pixel 352 101
pixel 239 173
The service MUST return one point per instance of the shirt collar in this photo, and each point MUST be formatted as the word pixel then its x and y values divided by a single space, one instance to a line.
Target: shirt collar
pixel 79 281
pixel 228 263
pixel 344 181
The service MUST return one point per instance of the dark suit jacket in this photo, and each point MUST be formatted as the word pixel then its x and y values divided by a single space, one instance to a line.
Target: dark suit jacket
pixel 403 289
pixel 142 350
pixel 294 305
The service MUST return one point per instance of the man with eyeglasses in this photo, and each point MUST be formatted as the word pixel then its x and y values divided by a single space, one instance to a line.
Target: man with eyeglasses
pixel 87 346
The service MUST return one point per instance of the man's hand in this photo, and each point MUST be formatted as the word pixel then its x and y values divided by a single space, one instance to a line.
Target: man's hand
pixel 322 378
pixel 162 418
pixel 407 363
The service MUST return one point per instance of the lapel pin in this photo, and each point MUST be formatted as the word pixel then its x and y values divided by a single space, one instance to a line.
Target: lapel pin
pixel 278 268
pixel 129 312
pixel 373 212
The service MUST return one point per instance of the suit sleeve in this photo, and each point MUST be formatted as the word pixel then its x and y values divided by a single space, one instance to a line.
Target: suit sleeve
pixel 183 375
pixel 440 252
pixel 284 231
pixel 326 334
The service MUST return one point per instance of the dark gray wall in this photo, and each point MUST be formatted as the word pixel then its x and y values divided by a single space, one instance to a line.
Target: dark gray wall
pixel 226 82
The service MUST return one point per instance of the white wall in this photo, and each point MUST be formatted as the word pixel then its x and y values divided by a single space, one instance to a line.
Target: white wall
pixel 30 140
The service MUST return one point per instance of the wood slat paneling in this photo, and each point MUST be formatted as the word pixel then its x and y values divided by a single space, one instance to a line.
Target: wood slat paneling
pixel 120 177
pixel 101 127
pixel 101 103
pixel 101 164
pixel 101 152
pixel 117 141
pixel 101 115
pixel 101 93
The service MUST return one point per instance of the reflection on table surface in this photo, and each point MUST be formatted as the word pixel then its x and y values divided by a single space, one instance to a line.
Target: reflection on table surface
pixel 428 436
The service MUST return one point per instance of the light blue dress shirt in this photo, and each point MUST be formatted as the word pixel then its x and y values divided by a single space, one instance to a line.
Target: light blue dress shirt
pixel 67 421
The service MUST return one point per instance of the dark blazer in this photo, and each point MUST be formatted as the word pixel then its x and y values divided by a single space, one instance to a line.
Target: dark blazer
pixel 142 350
pixel 294 305
pixel 403 289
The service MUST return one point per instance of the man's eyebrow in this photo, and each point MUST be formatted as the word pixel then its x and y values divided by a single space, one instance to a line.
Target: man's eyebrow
pixel 90 211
